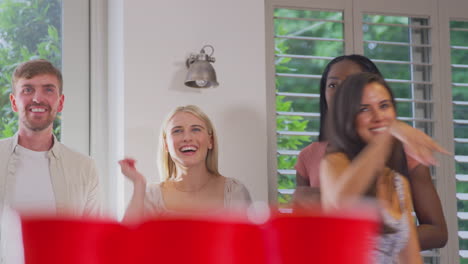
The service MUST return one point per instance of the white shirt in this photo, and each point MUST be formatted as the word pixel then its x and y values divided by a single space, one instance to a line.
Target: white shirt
pixel 33 194
pixel 33 186
pixel 12 244
pixel 73 177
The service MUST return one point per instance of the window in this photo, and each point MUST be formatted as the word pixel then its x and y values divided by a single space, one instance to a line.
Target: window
pixel 401 49
pixel 37 33
pixel 409 42
pixel 305 41
pixel 459 61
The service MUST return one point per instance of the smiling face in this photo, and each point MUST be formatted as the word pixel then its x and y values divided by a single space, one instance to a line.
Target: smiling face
pixel 376 112
pixel 37 101
pixel 188 140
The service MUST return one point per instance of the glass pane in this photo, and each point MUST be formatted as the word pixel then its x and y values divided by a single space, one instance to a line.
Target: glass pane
pixel 459 24
pixel 459 62
pixel 461 168
pixel 461 148
pixel 286 181
pixel 418 73
pixel 461 130
pixel 458 38
pixel 462 187
pixel 286 162
pixel 385 19
pixel 385 33
pixel 306 28
pixel 291 123
pixel 286 142
pixel 299 66
pixel 401 90
pixel 298 85
pixel 460 112
pixel 395 71
pixel 460 93
pixel 303 104
pixel 460 56
pixel 399 52
pixel 301 33
pixel 284 200
pixel 311 14
pixel 463 207
pixel 405 109
pixel 379 51
pixel 460 75
pixel 36 33
pixel 309 47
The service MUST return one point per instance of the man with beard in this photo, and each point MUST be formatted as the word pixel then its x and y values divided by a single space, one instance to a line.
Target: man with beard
pixel 38 174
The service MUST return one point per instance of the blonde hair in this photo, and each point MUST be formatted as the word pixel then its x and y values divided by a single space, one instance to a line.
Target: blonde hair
pixel 167 167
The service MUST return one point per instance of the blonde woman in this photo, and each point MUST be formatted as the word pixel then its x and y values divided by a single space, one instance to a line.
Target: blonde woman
pixel 188 164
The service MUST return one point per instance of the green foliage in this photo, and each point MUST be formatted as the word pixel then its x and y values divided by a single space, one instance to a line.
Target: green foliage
pixel 287 30
pixel 288 123
pixel 284 199
pixel 28 30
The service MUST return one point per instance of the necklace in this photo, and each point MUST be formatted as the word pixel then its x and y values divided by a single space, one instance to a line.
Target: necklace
pixel 196 190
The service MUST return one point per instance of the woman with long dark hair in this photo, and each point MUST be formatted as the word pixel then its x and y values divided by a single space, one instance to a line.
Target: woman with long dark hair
pixel 432 229
pixel 365 158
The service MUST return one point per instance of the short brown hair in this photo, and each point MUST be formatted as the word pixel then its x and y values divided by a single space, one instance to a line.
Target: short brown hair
pixel 32 68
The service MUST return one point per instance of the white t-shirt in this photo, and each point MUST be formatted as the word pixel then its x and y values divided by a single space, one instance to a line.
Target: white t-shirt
pixel 12 245
pixel 33 194
pixel 33 187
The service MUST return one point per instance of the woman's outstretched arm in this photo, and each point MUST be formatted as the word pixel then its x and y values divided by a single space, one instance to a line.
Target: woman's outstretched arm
pixel 135 209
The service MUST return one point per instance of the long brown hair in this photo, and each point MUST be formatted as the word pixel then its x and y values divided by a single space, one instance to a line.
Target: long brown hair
pixel 343 136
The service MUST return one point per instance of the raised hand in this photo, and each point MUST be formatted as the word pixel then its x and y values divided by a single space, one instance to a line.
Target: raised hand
pixel 417 144
pixel 128 169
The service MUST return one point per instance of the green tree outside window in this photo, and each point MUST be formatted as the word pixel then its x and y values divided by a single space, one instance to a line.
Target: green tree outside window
pixel 28 30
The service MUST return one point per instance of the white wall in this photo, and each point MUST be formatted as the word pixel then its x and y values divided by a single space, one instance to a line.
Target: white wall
pixel 157 38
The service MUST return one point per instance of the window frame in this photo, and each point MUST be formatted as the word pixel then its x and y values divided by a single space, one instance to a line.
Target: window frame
pixel 332 5
pixel 448 11
pixel 440 13
pixel 76 72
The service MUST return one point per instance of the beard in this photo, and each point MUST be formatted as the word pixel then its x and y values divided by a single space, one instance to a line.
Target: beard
pixel 38 124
